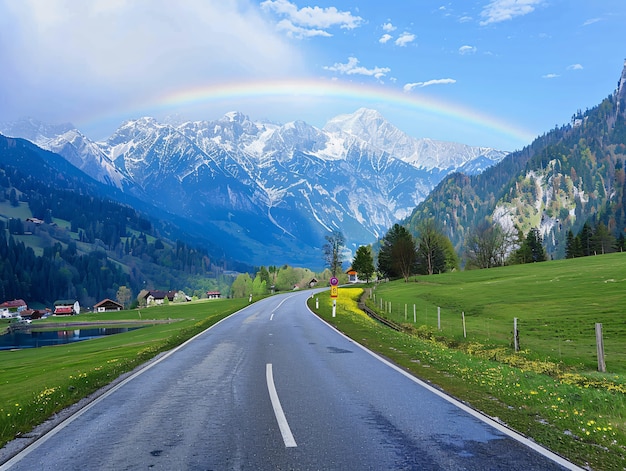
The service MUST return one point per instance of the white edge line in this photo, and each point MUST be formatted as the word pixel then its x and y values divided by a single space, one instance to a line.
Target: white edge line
pixel 479 415
pixel 41 440
pixel 278 410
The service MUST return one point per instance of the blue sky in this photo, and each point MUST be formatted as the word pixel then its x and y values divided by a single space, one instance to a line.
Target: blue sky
pixel 483 72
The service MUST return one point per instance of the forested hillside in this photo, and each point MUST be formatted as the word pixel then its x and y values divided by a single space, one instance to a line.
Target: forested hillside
pixel 60 240
pixel 569 176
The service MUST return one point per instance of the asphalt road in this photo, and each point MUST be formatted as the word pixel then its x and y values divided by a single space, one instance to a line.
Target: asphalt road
pixel 275 388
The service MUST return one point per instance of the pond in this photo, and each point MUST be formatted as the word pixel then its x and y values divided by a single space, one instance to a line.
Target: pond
pixel 27 338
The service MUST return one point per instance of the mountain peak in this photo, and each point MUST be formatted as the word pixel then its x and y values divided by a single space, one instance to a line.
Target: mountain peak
pixel 34 130
pixel 363 120
pixel 235 117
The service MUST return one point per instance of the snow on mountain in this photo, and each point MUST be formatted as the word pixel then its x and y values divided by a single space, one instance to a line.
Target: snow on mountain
pixel 428 154
pixel 268 186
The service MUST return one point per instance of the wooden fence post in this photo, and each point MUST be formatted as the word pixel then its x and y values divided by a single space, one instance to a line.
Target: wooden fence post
pixel 600 348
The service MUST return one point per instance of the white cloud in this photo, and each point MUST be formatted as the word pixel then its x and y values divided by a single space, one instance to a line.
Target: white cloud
pixel 315 19
pixel 575 67
pixel 388 27
pixel 410 86
pixel 384 38
pixel 503 10
pixel 70 59
pixel 550 76
pixel 591 21
pixel 352 67
pixel 467 50
pixel 404 39
pixel 298 32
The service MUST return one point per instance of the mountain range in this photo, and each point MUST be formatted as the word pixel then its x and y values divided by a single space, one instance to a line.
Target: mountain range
pixel 265 193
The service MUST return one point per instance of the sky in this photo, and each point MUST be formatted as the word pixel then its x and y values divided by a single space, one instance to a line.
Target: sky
pixel 494 73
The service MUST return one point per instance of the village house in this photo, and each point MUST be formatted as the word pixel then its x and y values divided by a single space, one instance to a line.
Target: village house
pixel 108 305
pixel 156 297
pixel 353 276
pixel 13 308
pixel 213 295
pixel 68 307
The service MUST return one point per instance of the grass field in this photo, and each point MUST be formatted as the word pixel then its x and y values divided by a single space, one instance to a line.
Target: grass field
pixel 557 305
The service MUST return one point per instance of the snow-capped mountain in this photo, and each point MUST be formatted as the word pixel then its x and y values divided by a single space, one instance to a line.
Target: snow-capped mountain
pixel 273 190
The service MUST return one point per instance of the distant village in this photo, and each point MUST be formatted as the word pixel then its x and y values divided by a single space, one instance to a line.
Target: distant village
pixel 18 308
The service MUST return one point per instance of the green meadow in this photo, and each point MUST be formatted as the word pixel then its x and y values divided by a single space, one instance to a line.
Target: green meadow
pixel 36 383
pixel 557 305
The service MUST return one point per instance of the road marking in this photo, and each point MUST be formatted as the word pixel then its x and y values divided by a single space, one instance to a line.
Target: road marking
pixel 280 304
pixel 278 410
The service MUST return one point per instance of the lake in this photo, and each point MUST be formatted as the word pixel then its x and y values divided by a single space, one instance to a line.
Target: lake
pixel 32 339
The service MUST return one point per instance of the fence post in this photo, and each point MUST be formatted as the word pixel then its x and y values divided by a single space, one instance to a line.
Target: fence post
pixel 464 330
pixel 438 318
pixel 515 335
pixel 414 315
pixel 600 348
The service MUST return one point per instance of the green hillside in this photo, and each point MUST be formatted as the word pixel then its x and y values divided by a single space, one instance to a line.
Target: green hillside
pixel 557 305
pixel 61 237
pixel 571 175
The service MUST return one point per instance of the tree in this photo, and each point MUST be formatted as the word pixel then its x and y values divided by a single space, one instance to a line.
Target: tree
pixel 396 255
pixel 259 286
pixel 487 245
pixel 531 249
pixel 585 235
pixel 287 278
pixel 435 253
pixel 602 240
pixel 333 248
pixel 404 256
pixel 123 296
pixel 363 262
pixel 242 286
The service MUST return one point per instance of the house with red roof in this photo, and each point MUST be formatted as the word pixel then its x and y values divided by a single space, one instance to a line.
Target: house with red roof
pixel 67 307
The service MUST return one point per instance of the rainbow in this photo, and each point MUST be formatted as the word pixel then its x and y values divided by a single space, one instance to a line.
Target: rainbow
pixel 374 96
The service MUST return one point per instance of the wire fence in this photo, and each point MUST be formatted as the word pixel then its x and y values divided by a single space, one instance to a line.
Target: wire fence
pixel 580 344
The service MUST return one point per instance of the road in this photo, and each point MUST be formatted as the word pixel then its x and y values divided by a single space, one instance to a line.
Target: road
pixel 273 387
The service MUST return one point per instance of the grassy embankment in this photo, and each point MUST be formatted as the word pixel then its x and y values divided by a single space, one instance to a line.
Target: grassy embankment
pixel 36 383
pixel 550 390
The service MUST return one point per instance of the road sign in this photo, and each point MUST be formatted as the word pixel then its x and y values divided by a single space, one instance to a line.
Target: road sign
pixel 334 281
pixel 333 291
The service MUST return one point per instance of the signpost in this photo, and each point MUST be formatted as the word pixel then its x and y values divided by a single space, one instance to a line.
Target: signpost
pixel 334 291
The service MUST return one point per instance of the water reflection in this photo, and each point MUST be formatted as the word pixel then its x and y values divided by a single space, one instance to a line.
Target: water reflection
pixel 33 339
